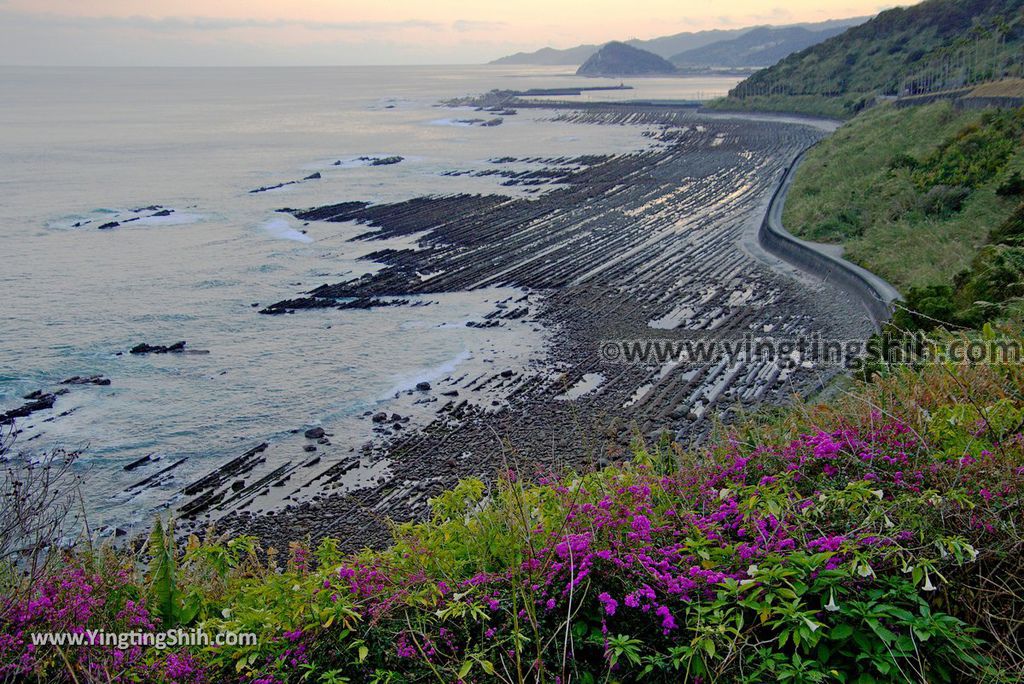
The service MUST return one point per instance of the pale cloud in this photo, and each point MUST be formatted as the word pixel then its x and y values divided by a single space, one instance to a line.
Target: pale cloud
pixel 230 32
pixel 469 25
pixel 199 23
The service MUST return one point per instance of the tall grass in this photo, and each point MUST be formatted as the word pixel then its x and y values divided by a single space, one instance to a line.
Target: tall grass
pixel 858 188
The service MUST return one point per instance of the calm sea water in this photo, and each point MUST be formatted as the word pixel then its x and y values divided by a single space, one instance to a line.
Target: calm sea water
pixel 92 145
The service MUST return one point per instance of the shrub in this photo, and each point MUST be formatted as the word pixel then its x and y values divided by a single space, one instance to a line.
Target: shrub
pixel 1010 231
pixel 1012 186
pixel 902 160
pixel 976 155
pixel 926 308
pixel 943 200
pixel 840 543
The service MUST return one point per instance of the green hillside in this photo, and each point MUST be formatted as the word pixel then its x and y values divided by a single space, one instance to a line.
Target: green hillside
pixel 934 46
pixel 928 197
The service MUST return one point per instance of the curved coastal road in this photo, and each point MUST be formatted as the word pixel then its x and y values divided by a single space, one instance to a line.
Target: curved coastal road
pixel 875 293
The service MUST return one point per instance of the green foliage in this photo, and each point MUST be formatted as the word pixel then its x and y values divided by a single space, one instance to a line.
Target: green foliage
pixel 163 588
pixel 975 155
pixel 923 182
pixel 1010 231
pixel 1012 186
pixel 833 543
pixel 833 107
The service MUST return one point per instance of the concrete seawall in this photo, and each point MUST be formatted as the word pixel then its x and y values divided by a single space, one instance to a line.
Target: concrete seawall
pixel 876 295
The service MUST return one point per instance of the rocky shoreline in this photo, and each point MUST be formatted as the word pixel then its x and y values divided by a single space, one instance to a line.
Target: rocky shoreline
pixel 646 245
pixel 652 245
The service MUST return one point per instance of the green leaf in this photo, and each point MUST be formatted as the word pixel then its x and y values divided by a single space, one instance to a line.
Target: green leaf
pixel 842 631
pixel 161 573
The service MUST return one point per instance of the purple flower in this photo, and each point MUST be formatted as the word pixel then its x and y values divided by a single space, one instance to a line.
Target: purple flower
pixel 608 602
pixel 668 623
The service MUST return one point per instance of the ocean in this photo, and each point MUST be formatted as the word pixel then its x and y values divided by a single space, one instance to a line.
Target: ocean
pixel 171 156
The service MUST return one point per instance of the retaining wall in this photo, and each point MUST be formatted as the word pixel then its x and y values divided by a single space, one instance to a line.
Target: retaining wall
pixel 873 292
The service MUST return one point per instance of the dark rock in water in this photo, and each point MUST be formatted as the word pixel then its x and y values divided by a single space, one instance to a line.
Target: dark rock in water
pixel 112 224
pixel 163 212
pixel 145 348
pixel 619 59
pixel 91 380
pixel 238 485
pixel 395 417
pixel 120 532
pixel 380 417
pixel 313 176
pixel 382 161
pixel 264 188
pixel 423 386
pixel 451 393
pixel 311 462
pixel 372 303
pixel 497 121
pixel 506 374
pixel 314 433
pixel 289 306
pixel 309 448
pixel 156 478
pixel 135 464
pixel 44 401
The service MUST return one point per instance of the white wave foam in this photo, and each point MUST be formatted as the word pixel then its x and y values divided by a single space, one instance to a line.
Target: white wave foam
pixel 431 374
pixel 174 219
pixel 280 229
pixel 450 122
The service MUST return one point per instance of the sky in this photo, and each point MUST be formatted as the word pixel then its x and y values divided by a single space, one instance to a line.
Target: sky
pixel 360 32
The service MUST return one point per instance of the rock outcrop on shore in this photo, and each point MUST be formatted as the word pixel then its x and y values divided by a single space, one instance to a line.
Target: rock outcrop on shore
pixel 619 59
pixel 622 247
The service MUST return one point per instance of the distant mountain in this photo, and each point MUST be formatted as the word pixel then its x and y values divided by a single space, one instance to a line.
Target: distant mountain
pixel 619 59
pixel 665 46
pixel 758 47
pixel 935 45
pixel 551 56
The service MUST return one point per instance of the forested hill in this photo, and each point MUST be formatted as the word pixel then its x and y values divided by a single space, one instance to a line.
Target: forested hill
pixel 759 47
pixel 933 46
